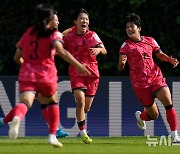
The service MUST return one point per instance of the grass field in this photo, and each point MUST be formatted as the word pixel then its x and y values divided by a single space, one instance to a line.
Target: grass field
pixel 71 145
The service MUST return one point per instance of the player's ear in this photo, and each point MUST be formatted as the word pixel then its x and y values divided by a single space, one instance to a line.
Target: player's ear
pixel 139 29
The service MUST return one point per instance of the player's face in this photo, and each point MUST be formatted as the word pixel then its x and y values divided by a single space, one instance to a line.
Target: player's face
pixel 54 22
pixel 82 23
pixel 133 31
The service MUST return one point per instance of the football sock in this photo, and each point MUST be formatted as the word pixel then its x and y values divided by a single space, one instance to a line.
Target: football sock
pixel 53 114
pixel 82 127
pixel 172 118
pixel 9 116
pixel 19 110
pixel 144 116
pixel 82 132
pixel 44 111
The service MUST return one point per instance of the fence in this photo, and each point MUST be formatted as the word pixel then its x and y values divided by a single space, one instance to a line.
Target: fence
pixel 112 112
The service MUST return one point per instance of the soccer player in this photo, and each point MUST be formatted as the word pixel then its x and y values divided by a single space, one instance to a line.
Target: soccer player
pixel 85 46
pixel 38 74
pixel 146 77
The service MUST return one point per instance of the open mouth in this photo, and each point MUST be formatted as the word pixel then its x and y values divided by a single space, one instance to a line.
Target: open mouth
pixel 84 26
pixel 130 33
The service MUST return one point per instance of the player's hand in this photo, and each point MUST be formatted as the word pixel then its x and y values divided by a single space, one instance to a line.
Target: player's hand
pixel 83 69
pixel 174 61
pixel 123 59
pixel 95 51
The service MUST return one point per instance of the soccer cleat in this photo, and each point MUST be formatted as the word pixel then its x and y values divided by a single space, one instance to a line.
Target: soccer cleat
pixel 14 128
pixel 176 140
pixel 60 133
pixel 86 139
pixel 1 122
pixel 54 141
pixel 140 123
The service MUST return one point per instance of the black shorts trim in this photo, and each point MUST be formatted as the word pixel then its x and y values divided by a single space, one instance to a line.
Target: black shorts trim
pixel 155 92
pixel 150 104
pixel 89 95
pixel 80 88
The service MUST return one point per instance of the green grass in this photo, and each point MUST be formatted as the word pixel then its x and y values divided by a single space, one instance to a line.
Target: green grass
pixel 74 145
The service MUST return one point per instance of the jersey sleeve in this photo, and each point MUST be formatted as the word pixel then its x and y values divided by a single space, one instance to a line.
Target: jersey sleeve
pixel 96 39
pixel 155 46
pixel 57 36
pixel 22 40
pixel 123 49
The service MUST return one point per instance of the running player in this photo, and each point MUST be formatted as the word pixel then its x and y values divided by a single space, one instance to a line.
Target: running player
pixel 85 46
pixel 38 74
pixel 146 77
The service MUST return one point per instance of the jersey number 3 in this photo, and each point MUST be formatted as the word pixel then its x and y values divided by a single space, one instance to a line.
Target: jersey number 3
pixel 34 56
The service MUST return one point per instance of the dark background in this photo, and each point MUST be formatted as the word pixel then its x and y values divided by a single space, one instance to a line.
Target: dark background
pixel 160 19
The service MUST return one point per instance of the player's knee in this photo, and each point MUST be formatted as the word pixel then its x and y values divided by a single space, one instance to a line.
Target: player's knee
pixel 154 115
pixel 27 102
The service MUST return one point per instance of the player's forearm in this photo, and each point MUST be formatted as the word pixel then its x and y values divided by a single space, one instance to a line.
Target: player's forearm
pixel 103 51
pixel 121 66
pixel 65 32
pixel 64 54
pixel 162 56
pixel 70 59
pixel 122 62
pixel 18 56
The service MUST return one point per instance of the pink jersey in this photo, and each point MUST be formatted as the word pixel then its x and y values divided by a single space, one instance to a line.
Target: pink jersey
pixel 38 55
pixel 143 70
pixel 79 46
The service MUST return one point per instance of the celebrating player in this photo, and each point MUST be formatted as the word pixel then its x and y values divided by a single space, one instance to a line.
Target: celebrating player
pixel 84 45
pixel 146 77
pixel 38 74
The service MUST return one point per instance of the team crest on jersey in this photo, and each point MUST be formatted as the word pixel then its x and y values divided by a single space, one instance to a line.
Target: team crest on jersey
pixel 96 37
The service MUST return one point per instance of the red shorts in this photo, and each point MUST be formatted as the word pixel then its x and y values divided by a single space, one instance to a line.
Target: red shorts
pixel 46 89
pixel 88 84
pixel 146 95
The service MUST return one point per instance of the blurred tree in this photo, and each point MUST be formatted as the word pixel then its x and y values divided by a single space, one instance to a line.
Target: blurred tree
pixel 161 20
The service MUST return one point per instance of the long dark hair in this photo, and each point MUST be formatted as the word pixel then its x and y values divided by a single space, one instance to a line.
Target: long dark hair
pixel 43 14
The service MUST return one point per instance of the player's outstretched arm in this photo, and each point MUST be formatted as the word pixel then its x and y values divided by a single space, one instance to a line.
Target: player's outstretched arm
pixel 162 56
pixel 65 32
pixel 70 59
